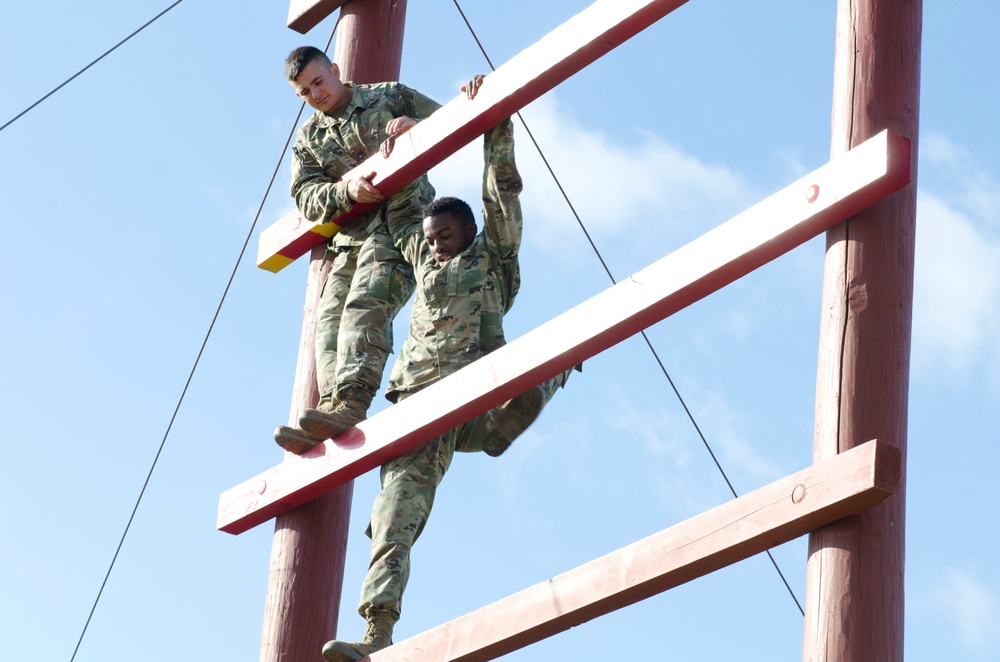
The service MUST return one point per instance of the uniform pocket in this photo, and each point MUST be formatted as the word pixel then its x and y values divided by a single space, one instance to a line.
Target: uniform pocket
pixel 391 278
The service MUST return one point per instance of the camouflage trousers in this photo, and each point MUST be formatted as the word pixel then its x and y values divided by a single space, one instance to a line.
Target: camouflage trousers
pixel 401 509
pixel 366 287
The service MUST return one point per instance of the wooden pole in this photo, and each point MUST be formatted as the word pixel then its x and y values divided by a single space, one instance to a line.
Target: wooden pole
pixel 310 542
pixel 854 575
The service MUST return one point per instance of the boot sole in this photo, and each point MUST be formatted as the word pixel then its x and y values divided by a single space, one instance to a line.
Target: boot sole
pixel 517 415
pixel 326 426
pixel 291 441
pixel 340 652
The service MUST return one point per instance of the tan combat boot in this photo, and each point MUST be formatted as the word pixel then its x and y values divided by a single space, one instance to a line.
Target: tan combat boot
pixel 294 440
pixel 517 414
pixel 326 422
pixel 377 637
pixel 513 417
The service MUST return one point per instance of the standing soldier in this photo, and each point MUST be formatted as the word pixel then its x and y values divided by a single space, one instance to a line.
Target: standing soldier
pixel 369 281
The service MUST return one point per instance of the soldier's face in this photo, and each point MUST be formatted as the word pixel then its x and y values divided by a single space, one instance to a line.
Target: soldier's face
pixel 319 86
pixel 447 236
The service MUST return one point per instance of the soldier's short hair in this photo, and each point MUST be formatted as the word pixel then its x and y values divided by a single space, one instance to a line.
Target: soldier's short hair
pixel 300 58
pixel 460 209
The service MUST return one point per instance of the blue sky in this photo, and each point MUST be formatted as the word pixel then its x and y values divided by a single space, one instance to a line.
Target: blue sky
pixel 125 199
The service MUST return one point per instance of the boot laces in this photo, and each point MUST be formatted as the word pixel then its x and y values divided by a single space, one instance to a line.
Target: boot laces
pixel 370 631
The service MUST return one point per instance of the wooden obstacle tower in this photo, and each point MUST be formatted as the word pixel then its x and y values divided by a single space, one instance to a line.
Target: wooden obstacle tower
pixel 851 500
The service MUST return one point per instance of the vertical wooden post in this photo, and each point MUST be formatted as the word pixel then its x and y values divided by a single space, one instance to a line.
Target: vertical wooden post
pixel 854 575
pixel 310 543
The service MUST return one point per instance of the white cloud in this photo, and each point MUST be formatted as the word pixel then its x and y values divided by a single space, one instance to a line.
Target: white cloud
pixel 970 606
pixel 953 174
pixel 792 158
pixel 656 429
pixel 957 272
pixel 737 454
pixel 688 485
pixel 542 445
pixel 649 185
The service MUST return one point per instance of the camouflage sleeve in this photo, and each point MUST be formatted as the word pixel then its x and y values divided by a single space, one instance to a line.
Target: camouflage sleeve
pixel 501 188
pixel 318 197
pixel 415 104
pixel 410 242
pixel 409 238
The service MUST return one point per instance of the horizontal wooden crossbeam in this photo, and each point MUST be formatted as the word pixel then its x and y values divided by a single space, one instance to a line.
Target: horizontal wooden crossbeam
pixel 525 77
pixel 815 203
pixel 304 15
pixel 827 491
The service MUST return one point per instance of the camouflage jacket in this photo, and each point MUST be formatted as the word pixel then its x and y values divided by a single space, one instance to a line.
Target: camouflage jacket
pixel 327 147
pixel 457 315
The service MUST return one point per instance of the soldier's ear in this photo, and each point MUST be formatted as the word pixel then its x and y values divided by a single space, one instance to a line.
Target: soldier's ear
pixel 471 230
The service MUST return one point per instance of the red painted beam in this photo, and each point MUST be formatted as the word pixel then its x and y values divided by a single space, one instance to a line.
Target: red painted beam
pixel 814 204
pixel 304 15
pixel 843 485
pixel 528 75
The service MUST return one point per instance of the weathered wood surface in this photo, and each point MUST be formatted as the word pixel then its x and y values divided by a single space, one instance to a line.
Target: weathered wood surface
pixel 855 574
pixel 304 15
pixel 767 230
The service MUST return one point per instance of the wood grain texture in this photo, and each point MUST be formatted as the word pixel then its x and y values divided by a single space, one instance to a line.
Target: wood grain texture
pixel 854 576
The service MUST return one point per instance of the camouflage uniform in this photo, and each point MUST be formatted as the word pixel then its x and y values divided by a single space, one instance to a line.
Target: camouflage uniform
pixel 457 317
pixel 458 312
pixel 369 281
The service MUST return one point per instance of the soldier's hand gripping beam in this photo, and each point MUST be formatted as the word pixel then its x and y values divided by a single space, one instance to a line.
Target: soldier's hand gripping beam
pixel 525 77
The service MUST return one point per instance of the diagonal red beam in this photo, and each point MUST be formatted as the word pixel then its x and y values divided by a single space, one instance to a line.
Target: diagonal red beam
pixel 814 204
pixel 304 15
pixel 525 77
pixel 825 492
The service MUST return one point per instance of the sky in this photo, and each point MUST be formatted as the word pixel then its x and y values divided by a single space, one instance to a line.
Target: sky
pixel 127 196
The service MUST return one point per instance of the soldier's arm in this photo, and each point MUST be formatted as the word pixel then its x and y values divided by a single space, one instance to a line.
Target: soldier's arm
pixel 412 107
pixel 502 185
pixel 417 105
pixel 406 228
pixel 318 196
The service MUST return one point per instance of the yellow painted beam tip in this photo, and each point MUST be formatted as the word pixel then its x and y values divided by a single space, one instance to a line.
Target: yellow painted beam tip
pixel 275 263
